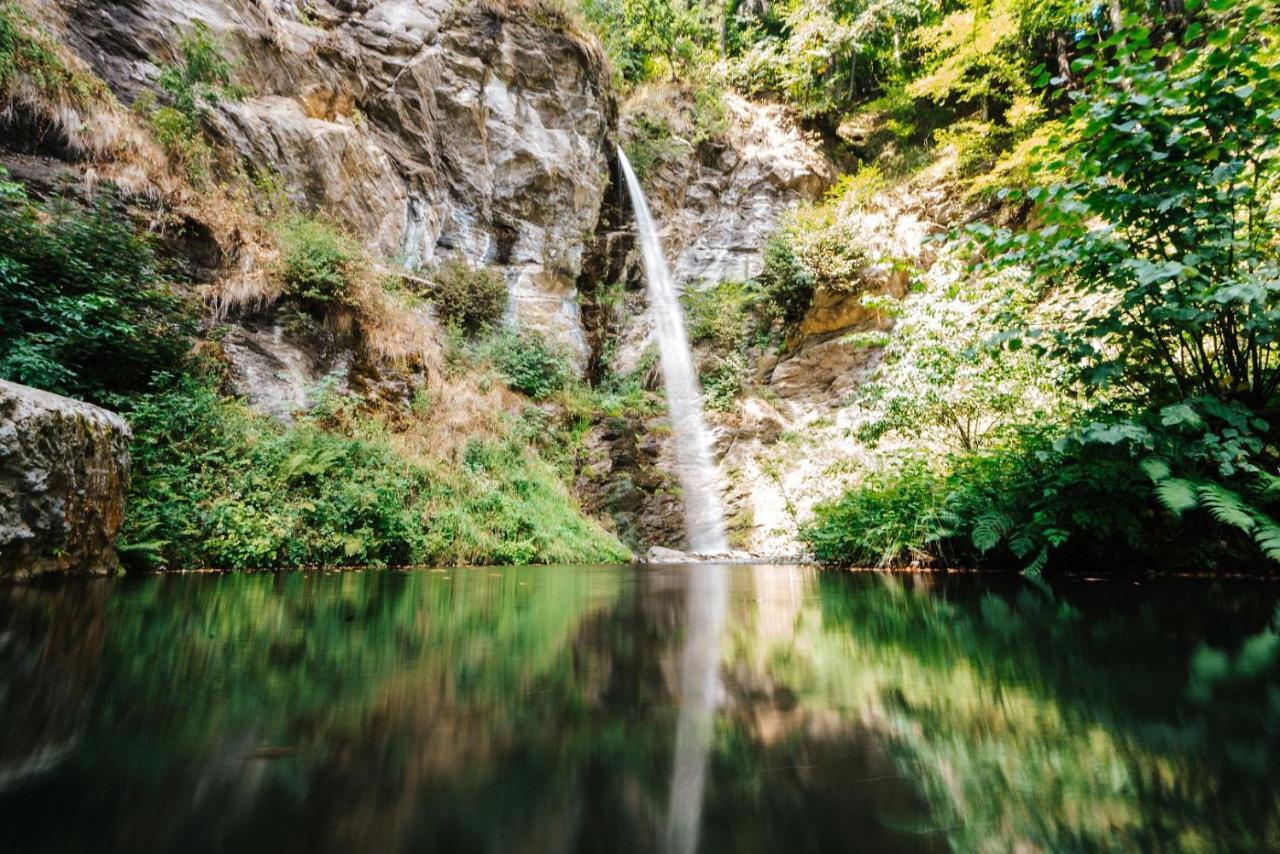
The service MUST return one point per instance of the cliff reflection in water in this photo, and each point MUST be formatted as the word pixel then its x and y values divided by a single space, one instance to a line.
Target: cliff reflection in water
pixel 538 710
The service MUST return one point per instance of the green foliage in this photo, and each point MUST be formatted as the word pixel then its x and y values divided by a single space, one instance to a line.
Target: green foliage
pixel 181 138
pixel 217 486
pixel 472 299
pixel 646 39
pixel 661 130
pixel 726 315
pixel 82 309
pixel 1164 232
pixel 318 261
pixel 196 83
pixel 787 283
pixel 29 53
pixel 1162 238
pixel 528 361
pixel 201 77
pixel 1012 506
pixel 941 379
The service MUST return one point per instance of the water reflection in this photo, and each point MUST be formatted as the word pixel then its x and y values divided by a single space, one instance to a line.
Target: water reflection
pixel 737 709
pixel 707 601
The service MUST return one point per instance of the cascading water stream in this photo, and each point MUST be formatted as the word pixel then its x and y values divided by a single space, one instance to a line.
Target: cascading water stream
pixel 708 592
pixel 703 514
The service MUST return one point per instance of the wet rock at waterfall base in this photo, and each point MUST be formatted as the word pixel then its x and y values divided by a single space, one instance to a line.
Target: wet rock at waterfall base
pixel 64 474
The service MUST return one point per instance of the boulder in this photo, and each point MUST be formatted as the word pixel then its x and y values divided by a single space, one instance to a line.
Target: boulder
pixel 64 473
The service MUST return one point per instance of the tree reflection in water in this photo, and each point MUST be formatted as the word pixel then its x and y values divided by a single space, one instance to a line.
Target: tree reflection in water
pixel 725 709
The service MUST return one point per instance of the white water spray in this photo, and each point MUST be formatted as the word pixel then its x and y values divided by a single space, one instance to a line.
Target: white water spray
pixel 703 515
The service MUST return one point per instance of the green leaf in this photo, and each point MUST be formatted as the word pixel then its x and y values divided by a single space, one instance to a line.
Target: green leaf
pixel 1226 506
pixel 1155 468
pixel 1177 495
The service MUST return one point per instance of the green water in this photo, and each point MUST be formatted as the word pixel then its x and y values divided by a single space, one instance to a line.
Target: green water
pixel 529 710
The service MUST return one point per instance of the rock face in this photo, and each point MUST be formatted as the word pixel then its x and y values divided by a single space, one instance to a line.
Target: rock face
pixel 718 206
pixel 431 127
pixel 64 472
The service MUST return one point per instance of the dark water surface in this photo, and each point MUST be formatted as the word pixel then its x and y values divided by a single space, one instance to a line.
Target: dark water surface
pixel 735 709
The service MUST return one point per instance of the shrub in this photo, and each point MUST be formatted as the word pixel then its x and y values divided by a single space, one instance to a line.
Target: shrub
pixel 318 261
pixel 468 298
pixel 724 315
pixel 891 518
pixel 82 310
pixel 722 384
pixel 788 285
pixel 1014 506
pixel 180 137
pixel 215 485
pixel 529 362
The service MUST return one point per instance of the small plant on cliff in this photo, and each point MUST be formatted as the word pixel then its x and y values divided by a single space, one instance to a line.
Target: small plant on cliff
pixel 29 53
pixel 202 76
pixel 198 81
pixel 788 285
pixel 318 262
pixel 82 310
pixel 471 299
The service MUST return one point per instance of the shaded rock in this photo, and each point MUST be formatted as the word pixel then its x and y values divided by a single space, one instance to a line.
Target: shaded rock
pixel 64 474
pixel 279 374
pixel 630 485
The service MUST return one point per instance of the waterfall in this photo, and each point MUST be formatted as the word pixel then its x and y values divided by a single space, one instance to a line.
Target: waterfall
pixel 703 515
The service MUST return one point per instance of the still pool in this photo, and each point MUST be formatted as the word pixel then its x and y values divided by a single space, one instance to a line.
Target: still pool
pixel 621 709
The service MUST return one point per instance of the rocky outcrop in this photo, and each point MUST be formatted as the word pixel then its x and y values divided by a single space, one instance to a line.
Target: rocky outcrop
pixel 718 205
pixel 64 473
pixel 431 127
pixel 624 476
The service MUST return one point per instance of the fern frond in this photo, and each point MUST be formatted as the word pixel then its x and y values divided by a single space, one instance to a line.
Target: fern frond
pixel 1036 566
pixel 1267 535
pixel 1177 495
pixel 989 529
pixel 1022 544
pixel 1226 506
pixel 1154 468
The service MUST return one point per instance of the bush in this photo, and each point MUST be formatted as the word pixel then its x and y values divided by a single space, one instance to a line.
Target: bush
pixel 215 485
pixel 724 315
pixel 788 285
pixel 468 298
pixel 1016 506
pixel 529 362
pixel 318 262
pixel 82 310
pixel 722 384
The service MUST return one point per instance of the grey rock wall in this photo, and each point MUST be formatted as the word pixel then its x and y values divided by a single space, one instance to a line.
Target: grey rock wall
pixel 64 475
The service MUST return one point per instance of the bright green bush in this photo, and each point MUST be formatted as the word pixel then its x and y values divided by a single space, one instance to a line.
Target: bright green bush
pixel 318 261
pixel 82 309
pixel 215 485
pixel 471 299
pixel 528 361
pixel 726 315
